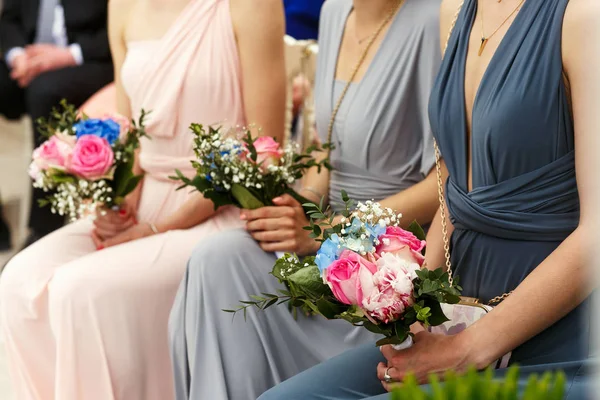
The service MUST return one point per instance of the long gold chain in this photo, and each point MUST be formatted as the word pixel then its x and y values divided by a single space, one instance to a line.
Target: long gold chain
pixel 440 183
pixel 362 58
pixel 485 39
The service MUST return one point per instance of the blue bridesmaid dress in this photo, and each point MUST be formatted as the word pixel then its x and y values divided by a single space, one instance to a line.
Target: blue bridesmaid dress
pixel 524 201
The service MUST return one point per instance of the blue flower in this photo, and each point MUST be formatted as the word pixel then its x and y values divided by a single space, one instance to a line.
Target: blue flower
pixel 328 253
pixel 374 231
pixel 355 227
pixel 107 129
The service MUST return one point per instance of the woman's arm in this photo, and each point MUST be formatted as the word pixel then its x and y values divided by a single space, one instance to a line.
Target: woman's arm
pixel 259 28
pixel 110 223
pixel 118 14
pixel 435 256
pixel 417 203
pixel 279 228
pixel 562 281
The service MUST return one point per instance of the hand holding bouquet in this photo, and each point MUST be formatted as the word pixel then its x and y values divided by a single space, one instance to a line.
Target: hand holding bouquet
pixel 236 169
pixel 85 163
pixel 367 272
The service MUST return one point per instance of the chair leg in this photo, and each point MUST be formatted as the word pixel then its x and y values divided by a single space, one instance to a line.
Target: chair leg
pixel 5 242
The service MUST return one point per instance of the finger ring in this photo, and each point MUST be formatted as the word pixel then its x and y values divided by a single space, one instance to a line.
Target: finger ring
pixel 386 377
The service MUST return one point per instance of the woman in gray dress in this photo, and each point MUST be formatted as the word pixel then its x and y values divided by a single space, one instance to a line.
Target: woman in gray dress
pixel 383 151
pixel 520 215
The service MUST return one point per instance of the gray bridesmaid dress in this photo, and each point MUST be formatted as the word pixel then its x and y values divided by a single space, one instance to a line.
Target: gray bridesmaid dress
pixel 524 201
pixel 384 145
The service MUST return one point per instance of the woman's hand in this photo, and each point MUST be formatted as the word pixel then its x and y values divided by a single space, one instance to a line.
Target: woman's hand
pixel 109 223
pixel 279 228
pixel 132 233
pixel 430 354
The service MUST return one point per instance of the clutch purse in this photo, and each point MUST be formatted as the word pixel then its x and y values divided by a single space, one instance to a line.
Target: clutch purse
pixel 468 310
pixel 462 315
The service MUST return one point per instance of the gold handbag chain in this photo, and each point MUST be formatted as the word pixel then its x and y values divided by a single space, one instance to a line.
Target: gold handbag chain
pixel 440 184
pixel 362 58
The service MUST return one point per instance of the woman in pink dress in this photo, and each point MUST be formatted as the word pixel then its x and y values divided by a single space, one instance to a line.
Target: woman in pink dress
pixel 84 311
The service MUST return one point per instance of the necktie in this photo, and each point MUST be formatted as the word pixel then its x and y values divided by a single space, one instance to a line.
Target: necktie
pixel 46 21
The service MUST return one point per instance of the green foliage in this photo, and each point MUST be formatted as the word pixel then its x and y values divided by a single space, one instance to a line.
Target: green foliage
pixel 305 287
pixel 245 198
pixel 61 119
pixel 321 219
pixel 125 181
pixel 483 386
pixel 239 194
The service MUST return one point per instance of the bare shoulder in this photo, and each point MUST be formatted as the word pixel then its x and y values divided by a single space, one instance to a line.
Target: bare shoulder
pixel 255 12
pixel 448 11
pixel 118 12
pixel 581 28
pixel 118 7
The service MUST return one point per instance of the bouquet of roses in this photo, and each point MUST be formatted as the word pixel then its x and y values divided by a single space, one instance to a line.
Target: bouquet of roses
pixel 85 163
pixel 233 168
pixel 367 272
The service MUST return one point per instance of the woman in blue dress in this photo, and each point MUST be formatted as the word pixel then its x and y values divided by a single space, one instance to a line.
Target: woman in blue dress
pixel 514 111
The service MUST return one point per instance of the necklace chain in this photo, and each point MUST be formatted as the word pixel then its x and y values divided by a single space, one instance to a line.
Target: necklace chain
pixel 485 39
pixel 361 59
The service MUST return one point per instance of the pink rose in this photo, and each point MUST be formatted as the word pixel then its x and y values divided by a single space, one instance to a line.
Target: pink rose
pixel 397 240
pixel 268 152
pixel 385 294
pixel 53 153
pixel 342 276
pixel 92 157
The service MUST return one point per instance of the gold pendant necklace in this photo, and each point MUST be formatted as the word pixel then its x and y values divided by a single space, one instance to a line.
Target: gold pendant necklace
pixel 485 39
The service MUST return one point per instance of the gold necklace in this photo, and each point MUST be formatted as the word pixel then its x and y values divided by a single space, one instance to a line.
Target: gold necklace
pixel 362 58
pixel 485 39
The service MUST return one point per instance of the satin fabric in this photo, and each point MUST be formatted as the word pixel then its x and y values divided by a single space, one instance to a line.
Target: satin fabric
pixel 85 324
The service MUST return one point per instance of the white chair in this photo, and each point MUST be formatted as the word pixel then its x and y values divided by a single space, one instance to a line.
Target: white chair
pixel 15 185
pixel 301 59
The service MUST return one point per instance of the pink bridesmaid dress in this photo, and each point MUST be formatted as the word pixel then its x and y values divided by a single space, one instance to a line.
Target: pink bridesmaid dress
pixel 81 324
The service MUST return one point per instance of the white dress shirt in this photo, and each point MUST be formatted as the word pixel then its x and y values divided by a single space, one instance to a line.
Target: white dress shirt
pixel 59 38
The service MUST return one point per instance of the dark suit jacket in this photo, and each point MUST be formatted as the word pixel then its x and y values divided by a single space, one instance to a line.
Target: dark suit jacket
pixel 85 20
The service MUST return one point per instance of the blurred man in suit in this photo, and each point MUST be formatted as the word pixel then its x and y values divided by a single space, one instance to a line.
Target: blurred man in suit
pixel 52 50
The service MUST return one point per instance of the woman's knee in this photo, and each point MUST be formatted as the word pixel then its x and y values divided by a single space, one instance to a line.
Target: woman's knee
pixel 216 257
pixel 71 288
pixel 20 276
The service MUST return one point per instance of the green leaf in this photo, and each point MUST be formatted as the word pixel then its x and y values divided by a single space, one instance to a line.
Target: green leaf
pixel 390 340
pixel 345 197
pixel 437 316
pixel 417 230
pixel 131 185
pixel 309 281
pixel 123 173
pixel 245 198
pixel 328 309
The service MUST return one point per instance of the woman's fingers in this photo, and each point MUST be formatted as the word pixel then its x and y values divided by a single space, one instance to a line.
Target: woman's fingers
pixel 105 233
pixel 267 212
pixel 270 224
pixel 271 247
pixel 272 236
pixel 97 240
pixel 382 369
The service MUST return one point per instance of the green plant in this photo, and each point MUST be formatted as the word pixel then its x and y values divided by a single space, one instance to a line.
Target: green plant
pixel 483 386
